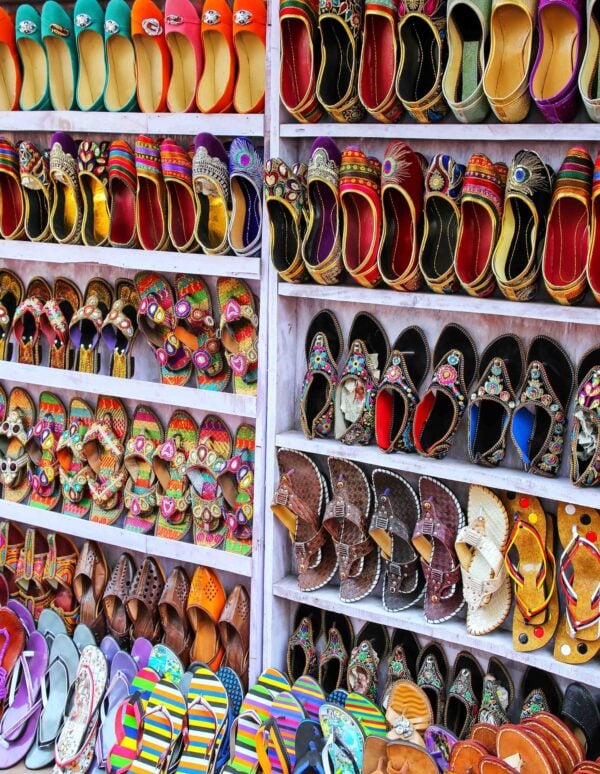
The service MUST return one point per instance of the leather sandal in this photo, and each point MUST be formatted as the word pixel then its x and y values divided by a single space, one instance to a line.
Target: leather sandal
pixel 379 62
pixel 434 537
pixel 539 422
pixel 234 630
pixel 205 604
pixel 301 656
pixel 339 641
pixel 467 755
pixel 392 525
pixel 564 739
pixel 493 400
pixel 41 448
pixel 122 187
pixel 151 207
pixel 441 217
pixel 298 503
pixel 246 179
pixel 439 412
pixel 152 58
pixel 120 329
pixel 464 695
pixel 26 321
pixel 34 170
pixel 89 584
pixel 321 246
pixel 566 249
pixel 346 519
pixel 182 32
pixel 73 469
pixel 531 565
pixel 142 602
pixel 516 260
pixel 114 599
pixel 85 327
pixel 12 293
pixel 67 208
pixel 355 393
pixel 18 416
pixel 300 59
pixel 93 181
pixel 210 177
pixel 12 205
pixel 173 615
pixel 88 16
pixel 58 36
pixel 33 590
pixel 285 201
pixel 249 35
pixel 516 747
pixel 432 676
pixel 215 92
pixel 181 204
pixel 12 541
pixel 120 92
pixel 34 93
pixel 397 394
pixel 585 449
pixel 140 496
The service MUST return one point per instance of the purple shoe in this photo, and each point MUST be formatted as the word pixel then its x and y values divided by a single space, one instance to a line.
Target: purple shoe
pixel 553 82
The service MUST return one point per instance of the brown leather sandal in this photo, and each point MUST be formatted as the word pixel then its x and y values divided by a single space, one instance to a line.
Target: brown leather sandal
pixel 520 750
pixel 172 610
pixel 115 598
pixel 466 756
pixel 89 583
pixel 142 602
pixel 234 629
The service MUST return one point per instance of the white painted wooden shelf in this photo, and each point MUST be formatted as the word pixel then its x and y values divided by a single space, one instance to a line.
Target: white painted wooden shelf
pixel 132 259
pixel 498 643
pixel 115 536
pixel 105 123
pixel 152 392
pixel 457 304
pixel 559 489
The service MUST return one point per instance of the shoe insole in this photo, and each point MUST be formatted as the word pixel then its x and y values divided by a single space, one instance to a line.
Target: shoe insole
pixel 324 228
pixel 35 73
pixel 151 222
pixel 378 60
pixel 218 66
pixel 466 35
pixel 284 235
pixel 421 60
pixel 60 73
pixel 121 82
pixel 250 84
pixel 359 232
pixel 97 216
pixel 442 231
pixel 476 242
pixel 559 51
pixel 122 218
pixel 36 212
pixel 8 79
pixel 439 419
pixel 92 69
pixel 489 419
pixel 246 225
pixel 317 397
pixel 182 214
pixel 337 67
pixel 150 73
pixel 391 410
pixel 567 242
pixel 64 214
pixel 521 246
pixel 206 639
pixel 509 62
pixel 594 261
pixel 296 61
pixel 400 237
pixel 11 210
pixel 212 220
pixel 182 87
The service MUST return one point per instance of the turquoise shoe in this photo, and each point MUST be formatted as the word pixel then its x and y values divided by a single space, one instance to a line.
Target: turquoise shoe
pixel 89 36
pixel 120 93
pixel 58 36
pixel 35 93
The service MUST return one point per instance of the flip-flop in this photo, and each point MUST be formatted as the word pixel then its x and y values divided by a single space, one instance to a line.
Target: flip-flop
pixel 41 447
pixel 310 695
pixel 123 670
pixel 23 614
pixel 276 739
pixel 161 726
pixel 237 483
pixel 103 447
pixel 19 419
pixel 73 469
pixel 166 663
pixel 235 696
pixel 344 740
pixel 12 292
pixel 205 464
pixel 139 496
pixel 309 746
pixel 194 310
pixel 239 332
pixel 370 717
pixel 120 329
pixel 169 464
pixel 50 625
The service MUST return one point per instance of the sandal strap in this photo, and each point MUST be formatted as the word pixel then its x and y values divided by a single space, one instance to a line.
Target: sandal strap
pixel 548 570
pixel 89 311
pixel 567 571
pixel 308 553
pixel 349 554
pixel 102 432
pixel 138 448
pixel 477 592
pixel 104 492
pixel 117 318
pixel 204 458
pixel 13 427
pixel 433 529
pixel 481 543
pixel 74 484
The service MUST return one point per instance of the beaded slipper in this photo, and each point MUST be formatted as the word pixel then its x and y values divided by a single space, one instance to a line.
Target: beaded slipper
pixel 237 483
pixel 73 469
pixel 26 321
pixel 210 177
pixel 140 495
pixel 66 213
pixel 285 192
pixel 41 447
pixel 12 292
pixel 120 328
pixel 93 181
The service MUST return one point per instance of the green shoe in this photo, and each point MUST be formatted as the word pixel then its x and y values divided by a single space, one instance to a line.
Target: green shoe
pixel 58 36
pixel 120 94
pixel 35 94
pixel 89 36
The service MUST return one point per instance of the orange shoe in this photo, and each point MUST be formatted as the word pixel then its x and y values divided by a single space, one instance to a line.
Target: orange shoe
pixel 10 66
pixel 153 61
pixel 249 35
pixel 215 89
pixel 204 607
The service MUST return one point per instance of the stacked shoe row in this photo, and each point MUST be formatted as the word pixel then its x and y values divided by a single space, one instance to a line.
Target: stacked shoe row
pixel 67 327
pixel 408 221
pixel 204 198
pixel 129 58
pixel 104 467
pixel 421 58
pixel 427 551
pixel 373 393
pixel 196 619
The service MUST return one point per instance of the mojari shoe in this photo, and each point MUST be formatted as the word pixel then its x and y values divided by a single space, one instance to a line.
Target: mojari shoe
pixel 35 89
pixel 10 67
pixel 37 191
pixel 593 261
pixel 181 204
pixel 93 181
pixel 215 87
pixel 249 35
pixel 210 177
pixel 58 36
pixel 182 29
pixel 284 196
pixel 122 186
pixel 151 208
pixel 379 62
pixel 300 59
pixel 121 89
pixel 89 37
pixel 589 87
pixel 246 178
pixel 153 61
pixel 12 204
pixel 67 209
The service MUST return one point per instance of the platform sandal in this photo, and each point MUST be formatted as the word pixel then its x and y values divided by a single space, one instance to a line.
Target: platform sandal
pixel 238 330
pixel 12 293
pixel 18 419
pixel 26 322
pixel 41 447
pixel 140 496
pixel 73 469
pixel 86 325
pixel 237 483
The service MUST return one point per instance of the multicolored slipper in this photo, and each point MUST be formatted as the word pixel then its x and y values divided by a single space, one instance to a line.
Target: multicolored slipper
pixel 371 718
pixel 103 447
pixel 276 739
pixel 205 464
pixel 345 739
pixel 140 495
pixel 169 464
pixel 26 322
pixel 41 447
pixel 239 332
pixel 310 695
pixel 18 420
pixel 237 483
pixel 161 727
pixel 195 311
pixel 73 469
pixel 120 328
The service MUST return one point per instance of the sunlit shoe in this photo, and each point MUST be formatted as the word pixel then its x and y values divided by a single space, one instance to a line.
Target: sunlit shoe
pixel 379 62
pixel 215 88
pixel 120 94
pixel 300 59
pixel 35 89
pixel 153 61
pixel 89 36
pixel 182 29
pixel 249 35
pixel 58 36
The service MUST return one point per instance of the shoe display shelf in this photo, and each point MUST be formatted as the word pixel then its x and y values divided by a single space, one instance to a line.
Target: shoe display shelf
pixel 291 307
pixel 80 263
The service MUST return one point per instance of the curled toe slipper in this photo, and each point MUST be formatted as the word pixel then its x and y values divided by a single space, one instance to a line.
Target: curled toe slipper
pixel 301 654
pixel 140 496
pixel 73 469
pixel 34 169
pixel 402 664
pixel 339 642
pixel 464 695
pixel 372 645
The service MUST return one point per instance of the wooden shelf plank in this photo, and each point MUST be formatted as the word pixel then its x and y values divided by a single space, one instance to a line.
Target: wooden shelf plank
pixel 115 536
pixel 151 392
pixel 498 643
pixel 134 259
pixel 559 489
pixel 458 304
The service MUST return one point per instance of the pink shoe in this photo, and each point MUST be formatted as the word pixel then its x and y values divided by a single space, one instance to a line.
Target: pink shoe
pixel 182 28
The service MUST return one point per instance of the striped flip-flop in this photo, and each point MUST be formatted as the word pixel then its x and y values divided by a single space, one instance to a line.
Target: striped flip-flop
pixel 208 706
pixel 161 726
pixel 276 739
pixel 370 717
pixel 310 695
pixel 235 695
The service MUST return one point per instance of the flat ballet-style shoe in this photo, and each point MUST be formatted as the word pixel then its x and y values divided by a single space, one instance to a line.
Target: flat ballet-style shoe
pixel 284 197
pixel 93 181
pixel 300 59
pixel 215 92
pixel 153 61
pixel 58 36
pixel 589 87
pixel 122 187
pixel 89 36
pixel 10 66
pixel 35 89
pixel 121 90
pixel 151 209
pixel 593 259
pixel 249 35
pixel 379 62
pixel 181 206
pixel 246 178
pixel 67 210
pixel 37 191
pixel 12 205
pixel 210 177
pixel 182 30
